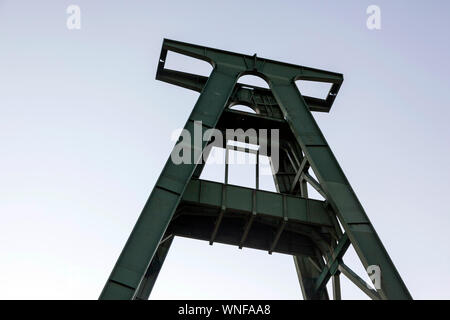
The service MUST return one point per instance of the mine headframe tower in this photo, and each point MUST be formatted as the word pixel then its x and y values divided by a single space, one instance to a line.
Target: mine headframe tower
pixel 316 233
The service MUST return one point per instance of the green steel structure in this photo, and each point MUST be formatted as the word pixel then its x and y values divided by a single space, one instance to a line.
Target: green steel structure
pixel 316 233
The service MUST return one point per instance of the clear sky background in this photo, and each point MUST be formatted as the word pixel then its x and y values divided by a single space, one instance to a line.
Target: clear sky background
pixel 85 131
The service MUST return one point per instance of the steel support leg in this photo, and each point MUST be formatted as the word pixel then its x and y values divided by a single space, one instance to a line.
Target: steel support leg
pixel 307 276
pixel 337 188
pixel 336 287
pixel 158 211
pixel 146 286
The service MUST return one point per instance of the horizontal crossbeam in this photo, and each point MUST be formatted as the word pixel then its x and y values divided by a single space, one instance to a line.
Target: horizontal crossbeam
pixel 247 64
pixel 300 171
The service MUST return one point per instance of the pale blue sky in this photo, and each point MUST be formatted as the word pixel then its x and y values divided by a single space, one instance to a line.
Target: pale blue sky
pixel 85 131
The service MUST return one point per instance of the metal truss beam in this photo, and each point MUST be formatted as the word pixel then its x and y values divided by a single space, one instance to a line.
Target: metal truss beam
pixel 333 263
pixel 360 283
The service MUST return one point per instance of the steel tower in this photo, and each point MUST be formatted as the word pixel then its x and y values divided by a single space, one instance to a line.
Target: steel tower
pixel 316 233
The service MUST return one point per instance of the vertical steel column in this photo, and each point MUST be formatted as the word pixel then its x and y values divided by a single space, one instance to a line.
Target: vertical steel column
pixel 227 159
pixel 257 170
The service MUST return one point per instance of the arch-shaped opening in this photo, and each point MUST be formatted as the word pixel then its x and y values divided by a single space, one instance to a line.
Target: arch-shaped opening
pixel 253 80
pixel 314 89
pixel 184 63
pixel 242 108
